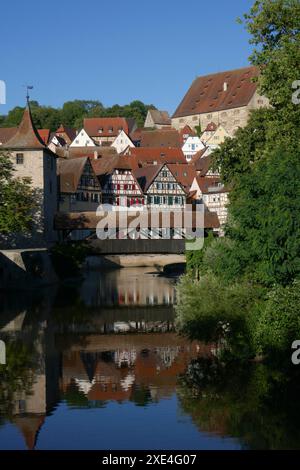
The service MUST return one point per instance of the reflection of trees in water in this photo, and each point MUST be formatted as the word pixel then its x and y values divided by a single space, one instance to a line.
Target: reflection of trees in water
pixel 256 403
pixel 17 376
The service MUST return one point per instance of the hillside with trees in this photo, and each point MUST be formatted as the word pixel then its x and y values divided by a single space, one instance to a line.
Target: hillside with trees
pixel 72 113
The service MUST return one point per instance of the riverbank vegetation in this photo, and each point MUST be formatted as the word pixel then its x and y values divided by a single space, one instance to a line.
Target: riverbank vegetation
pixel 248 297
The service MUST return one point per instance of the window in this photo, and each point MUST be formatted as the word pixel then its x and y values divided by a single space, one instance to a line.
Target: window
pixel 19 158
pixel 95 197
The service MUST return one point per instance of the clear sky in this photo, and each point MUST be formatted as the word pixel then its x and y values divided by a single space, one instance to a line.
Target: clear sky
pixel 117 51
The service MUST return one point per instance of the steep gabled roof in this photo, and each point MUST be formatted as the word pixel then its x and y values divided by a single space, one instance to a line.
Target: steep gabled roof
pixel 184 174
pixel 26 137
pixel 160 117
pixel 146 175
pixel 44 135
pixel 69 172
pixel 208 93
pixel 69 131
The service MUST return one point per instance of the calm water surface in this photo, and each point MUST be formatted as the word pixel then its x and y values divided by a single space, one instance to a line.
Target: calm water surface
pixel 96 365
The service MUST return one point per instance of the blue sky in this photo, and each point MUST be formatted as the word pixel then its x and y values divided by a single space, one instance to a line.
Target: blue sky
pixel 117 51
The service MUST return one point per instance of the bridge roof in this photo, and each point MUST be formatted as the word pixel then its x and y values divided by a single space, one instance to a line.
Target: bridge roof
pixel 89 220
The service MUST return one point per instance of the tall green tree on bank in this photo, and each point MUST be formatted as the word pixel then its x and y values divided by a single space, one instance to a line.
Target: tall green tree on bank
pixel 262 244
pixel 262 163
pixel 16 200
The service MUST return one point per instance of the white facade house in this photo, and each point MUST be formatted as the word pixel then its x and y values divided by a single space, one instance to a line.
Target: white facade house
pixel 82 139
pixel 211 191
pixel 218 137
pixel 122 142
pixel 191 146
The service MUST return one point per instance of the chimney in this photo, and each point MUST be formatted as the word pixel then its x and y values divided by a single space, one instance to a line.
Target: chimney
pixel 225 86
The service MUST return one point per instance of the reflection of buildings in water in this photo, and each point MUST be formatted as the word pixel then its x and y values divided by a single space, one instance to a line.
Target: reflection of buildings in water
pixel 142 362
pixel 38 390
pixel 130 286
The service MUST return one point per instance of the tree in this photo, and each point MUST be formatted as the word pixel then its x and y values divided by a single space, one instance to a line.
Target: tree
pixel 265 227
pixel 16 200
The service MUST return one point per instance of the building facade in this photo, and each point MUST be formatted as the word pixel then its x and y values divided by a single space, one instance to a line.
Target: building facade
pixel 225 98
pixel 80 189
pixel 32 159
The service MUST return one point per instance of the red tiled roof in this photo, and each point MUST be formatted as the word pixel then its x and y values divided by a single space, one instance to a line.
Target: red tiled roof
pixel 207 94
pixel 161 138
pixel 136 135
pixel 143 156
pixel 6 133
pixel 210 185
pixel 109 127
pixel 26 137
pixel 202 165
pixel 186 131
pixel 184 174
pixel 69 131
pixel 146 175
pixel 44 135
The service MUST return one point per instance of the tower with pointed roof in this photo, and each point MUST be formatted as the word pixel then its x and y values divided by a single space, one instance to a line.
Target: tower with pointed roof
pixel 32 158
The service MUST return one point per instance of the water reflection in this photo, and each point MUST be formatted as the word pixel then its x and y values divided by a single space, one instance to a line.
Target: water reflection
pixel 256 403
pixel 63 353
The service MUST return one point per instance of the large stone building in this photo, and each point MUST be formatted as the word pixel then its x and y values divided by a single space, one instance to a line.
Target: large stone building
pixel 32 159
pixel 224 98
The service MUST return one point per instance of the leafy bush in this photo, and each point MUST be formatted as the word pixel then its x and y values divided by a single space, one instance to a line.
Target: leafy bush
pixel 210 310
pixel 278 321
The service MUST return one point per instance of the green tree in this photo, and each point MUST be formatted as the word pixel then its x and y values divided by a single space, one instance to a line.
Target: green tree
pixel 16 200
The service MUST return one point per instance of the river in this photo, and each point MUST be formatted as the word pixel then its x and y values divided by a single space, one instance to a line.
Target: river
pixel 95 365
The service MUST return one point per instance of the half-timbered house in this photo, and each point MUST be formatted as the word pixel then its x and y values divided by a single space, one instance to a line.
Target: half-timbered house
pixel 120 187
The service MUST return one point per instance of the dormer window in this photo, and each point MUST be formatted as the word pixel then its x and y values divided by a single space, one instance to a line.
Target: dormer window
pixel 110 130
pixel 100 130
